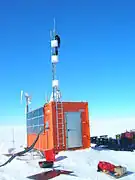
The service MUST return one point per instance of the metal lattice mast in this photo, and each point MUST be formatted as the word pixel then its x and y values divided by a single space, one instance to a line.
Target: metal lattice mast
pixel 56 95
pixel 54 58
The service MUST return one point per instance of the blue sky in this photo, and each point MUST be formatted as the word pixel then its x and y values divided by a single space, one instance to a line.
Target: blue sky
pixel 97 55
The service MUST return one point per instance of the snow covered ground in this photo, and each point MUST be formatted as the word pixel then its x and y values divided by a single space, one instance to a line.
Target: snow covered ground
pixel 83 163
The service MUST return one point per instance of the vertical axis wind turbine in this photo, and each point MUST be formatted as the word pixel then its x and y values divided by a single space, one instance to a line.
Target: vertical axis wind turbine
pixel 28 100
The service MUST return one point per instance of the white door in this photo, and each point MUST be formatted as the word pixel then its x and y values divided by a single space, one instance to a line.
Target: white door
pixel 74 129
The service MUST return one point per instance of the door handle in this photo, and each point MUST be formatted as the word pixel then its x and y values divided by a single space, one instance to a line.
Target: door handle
pixel 71 130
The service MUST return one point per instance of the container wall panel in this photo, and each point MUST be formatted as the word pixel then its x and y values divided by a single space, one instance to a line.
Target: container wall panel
pixel 74 107
pixel 49 125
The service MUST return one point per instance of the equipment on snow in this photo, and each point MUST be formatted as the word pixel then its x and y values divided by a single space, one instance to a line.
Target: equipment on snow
pixel 46 164
pixel 50 158
pixel 123 142
pixel 105 166
pixel 111 169
pixel 112 175
pixel 50 155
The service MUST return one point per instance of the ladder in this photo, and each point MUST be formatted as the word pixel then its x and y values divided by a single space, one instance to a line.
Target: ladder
pixel 60 124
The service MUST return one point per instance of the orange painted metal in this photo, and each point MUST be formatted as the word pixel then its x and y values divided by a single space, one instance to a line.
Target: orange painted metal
pixel 48 138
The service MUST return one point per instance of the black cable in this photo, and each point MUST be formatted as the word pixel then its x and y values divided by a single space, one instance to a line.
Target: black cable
pixel 24 151
pixel 58 39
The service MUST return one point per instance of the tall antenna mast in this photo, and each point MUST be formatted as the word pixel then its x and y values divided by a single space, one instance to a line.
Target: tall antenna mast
pixel 13 141
pixel 56 96
pixel 55 44
pixel 54 27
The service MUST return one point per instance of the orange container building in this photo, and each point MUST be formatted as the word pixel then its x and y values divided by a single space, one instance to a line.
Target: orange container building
pixel 66 128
